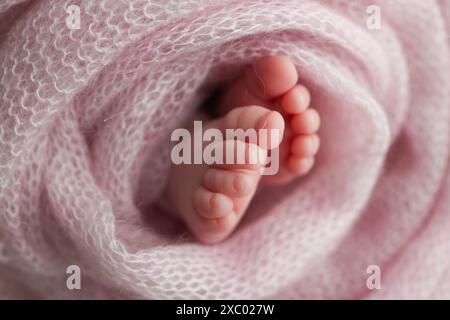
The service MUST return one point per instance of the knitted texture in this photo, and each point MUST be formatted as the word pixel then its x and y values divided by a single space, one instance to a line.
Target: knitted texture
pixel 85 122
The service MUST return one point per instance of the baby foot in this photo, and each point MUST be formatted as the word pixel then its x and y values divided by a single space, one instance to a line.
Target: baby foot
pixel 272 83
pixel 212 199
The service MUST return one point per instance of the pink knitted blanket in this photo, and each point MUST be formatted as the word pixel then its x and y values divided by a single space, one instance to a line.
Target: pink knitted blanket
pixel 87 104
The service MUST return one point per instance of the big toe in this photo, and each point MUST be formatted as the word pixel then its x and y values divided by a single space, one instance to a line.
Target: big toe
pixel 233 183
pixel 252 120
pixel 271 77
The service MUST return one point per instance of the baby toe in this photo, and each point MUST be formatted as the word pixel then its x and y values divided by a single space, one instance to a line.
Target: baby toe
pixel 249 120
pixel 299 165
pixel 212 205
pixel 238 155
pixel 273 124
pixel 307 122
pixel 271 77
pixel 230 183
pixel 305 145
pixel 211 231
pixel 296 100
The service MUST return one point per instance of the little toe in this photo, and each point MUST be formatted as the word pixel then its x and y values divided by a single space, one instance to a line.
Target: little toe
pixel 299 165
pixel 230 183
pixel 305 145
pixel 212 205
pixel 307 122
pixel 296 100
pixel 271 77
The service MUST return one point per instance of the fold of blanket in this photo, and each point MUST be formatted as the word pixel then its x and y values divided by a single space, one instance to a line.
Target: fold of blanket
pixel 85 120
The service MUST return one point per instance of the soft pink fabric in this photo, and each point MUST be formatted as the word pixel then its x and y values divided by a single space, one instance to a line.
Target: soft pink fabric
pixel 85 118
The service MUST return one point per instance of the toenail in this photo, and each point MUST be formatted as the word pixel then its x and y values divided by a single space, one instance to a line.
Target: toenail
pixel 305 97
pixel 307 122
pixel 311 141
pixel 315 119
pixel 305 145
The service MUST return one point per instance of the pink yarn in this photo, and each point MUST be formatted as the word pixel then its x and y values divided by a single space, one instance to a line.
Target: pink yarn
pixel 85 121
